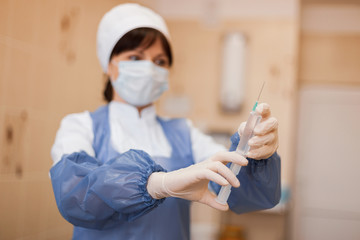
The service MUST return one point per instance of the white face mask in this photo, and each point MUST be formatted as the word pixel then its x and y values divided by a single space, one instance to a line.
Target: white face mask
pixel 140 82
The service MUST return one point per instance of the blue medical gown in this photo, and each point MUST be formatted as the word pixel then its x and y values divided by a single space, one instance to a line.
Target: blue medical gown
pixel 105 196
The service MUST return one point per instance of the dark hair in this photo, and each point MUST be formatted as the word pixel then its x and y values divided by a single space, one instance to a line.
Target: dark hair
pixel 144 37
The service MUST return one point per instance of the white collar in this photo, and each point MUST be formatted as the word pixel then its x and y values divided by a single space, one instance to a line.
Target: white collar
pixel 128 112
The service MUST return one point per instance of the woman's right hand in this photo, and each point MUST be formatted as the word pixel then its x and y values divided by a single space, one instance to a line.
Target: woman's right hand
pixel 265 141
pixel 191 183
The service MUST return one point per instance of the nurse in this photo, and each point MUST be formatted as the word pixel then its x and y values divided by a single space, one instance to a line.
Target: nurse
pixel 122 172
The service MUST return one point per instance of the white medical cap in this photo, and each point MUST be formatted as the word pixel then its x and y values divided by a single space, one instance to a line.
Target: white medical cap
pixel 121 20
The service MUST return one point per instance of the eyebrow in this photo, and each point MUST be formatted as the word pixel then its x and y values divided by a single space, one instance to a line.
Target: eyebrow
pixel 141 51
pixel 161 55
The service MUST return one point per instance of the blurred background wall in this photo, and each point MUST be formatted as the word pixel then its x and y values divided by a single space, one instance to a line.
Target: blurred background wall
pixel 49 68
pixel 326 196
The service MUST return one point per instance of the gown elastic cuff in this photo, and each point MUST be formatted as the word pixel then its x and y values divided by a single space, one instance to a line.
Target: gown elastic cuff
pixel 261 162
pixel 148 199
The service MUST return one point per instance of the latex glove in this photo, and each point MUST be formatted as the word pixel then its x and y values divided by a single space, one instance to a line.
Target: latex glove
pixel 265 141
pixel 191 183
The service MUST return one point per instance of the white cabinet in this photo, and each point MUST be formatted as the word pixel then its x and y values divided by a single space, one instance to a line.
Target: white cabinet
pixel 327 192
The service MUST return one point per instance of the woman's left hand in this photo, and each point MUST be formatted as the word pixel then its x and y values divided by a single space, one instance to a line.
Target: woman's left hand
pixel 265 141
pixel 192 182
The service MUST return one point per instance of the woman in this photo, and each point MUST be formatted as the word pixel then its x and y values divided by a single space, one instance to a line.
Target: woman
pixel 122 172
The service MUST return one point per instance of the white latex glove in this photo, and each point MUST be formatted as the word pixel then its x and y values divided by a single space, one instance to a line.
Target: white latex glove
pixel 191 183
pixel 265 141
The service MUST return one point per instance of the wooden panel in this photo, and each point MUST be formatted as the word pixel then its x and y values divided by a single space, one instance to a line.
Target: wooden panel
pixel 333 59
pixel 42 128
pixel 48 68
pixel 32 219
pixel 13 140
pixel 56 227
pixel 9 207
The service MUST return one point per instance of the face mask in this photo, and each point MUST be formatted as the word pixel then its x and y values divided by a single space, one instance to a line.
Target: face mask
pixel 140 82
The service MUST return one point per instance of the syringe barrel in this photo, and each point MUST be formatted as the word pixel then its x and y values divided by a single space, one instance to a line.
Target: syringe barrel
pixel 248 133
pixel 224 194
pixel 242 149
pixel 226 190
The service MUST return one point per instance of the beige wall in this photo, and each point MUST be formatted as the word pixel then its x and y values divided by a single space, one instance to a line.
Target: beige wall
pixel 330 59
pixel 48 68
pixel 329 77
pixel 329 40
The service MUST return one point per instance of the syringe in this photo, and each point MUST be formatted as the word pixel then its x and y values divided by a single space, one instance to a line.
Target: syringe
pixel 242 148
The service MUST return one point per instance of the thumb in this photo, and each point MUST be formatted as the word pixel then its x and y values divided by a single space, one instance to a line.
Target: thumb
pixel 209 198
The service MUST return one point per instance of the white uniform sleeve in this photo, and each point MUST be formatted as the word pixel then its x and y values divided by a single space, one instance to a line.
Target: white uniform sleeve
pixel 203 146
pixel 74 135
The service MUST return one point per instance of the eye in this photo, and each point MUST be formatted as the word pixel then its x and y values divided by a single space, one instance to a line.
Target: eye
pixel 162 62
pixel 134 57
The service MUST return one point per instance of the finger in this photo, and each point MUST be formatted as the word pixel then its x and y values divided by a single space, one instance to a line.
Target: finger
pixel 212 176
pixel 264 110
pixel 258 141
pixel 226 173
pixel 209 199
pixel 226 157
pixel 266 126
pixel 262 153
pixel 241 128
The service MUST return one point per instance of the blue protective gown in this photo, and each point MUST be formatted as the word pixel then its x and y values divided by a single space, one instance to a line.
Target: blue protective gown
pixel 105 196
